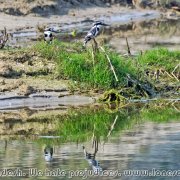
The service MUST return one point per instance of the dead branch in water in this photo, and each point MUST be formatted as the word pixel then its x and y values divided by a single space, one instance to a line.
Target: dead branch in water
pixel 3 38
pixel 112 68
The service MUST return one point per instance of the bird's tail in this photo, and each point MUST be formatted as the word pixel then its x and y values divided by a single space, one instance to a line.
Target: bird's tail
pixel 86 39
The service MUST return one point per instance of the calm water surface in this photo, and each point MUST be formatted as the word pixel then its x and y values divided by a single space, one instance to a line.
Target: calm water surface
pixel 144 147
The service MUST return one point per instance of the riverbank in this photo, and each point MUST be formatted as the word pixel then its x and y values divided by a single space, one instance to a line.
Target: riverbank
pixel 57 73
pixel 32 75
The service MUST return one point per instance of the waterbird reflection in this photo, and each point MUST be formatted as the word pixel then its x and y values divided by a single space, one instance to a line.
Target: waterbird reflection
pixel 48 153
pixel 91 158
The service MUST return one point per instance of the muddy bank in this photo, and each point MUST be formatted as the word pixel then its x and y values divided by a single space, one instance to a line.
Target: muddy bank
pixel 62 7
pixel 29 80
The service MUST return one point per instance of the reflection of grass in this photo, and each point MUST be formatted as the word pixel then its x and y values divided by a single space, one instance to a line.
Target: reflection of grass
pixel 73 62
pixel 161 58
pixel 81 126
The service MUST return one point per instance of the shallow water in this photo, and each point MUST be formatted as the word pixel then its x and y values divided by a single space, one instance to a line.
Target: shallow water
pixel 117 141
pixel 144 30
pixel 144 148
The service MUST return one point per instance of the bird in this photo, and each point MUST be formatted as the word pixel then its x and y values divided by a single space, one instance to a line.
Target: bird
pixel 94 31
pixel 48 34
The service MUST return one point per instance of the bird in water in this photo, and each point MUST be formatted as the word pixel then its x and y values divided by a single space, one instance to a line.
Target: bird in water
pixel 48 34
pixel 93 32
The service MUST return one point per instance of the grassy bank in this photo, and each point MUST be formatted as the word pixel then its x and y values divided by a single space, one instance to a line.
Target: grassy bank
pixel 93 69
pixel 160 58
pixel 68 65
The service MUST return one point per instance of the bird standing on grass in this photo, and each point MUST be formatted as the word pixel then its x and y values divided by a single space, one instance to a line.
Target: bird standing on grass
pixel 48 34
pixel 93 32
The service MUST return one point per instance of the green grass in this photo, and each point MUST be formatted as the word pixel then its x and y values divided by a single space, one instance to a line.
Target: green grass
pixel 160 58
pixel 76 63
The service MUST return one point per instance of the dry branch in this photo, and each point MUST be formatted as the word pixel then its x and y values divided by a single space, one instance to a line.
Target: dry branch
pixel 112 68
pixel 112 126
pixel 128 47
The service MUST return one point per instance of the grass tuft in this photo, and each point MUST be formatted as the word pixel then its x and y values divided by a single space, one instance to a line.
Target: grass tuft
pixel 78 64
pixel 160 58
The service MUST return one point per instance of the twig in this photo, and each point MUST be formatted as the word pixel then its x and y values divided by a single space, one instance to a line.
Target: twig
pixel 112 68
pixel 93 58
pixel 112 126
pixel 174 71
pixel 93 136
pixel 175 107
pixel 169 75
pixel 175 68
pixel 175 76
pixel 128 47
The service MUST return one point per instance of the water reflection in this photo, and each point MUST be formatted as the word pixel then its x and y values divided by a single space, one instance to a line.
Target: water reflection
pixel 133 138
pixel 143 33
pixel 91 158
pixel 48 153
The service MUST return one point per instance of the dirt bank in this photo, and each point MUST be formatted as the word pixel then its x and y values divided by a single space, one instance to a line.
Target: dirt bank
pixel 25 73
pixel 26 14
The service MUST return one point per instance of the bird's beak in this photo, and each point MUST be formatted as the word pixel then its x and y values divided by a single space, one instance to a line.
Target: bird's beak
pixel 55 31
pixel 105 24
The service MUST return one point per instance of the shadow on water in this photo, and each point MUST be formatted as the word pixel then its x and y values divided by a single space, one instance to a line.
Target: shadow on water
pixel 135 137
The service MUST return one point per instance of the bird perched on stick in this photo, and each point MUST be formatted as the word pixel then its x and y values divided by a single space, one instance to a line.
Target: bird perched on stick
pixel 93 32
pixel 48 34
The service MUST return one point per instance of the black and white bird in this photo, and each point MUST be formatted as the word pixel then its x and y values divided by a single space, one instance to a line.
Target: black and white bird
pixel 48 34
pixel 48 153
pixel 94 31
